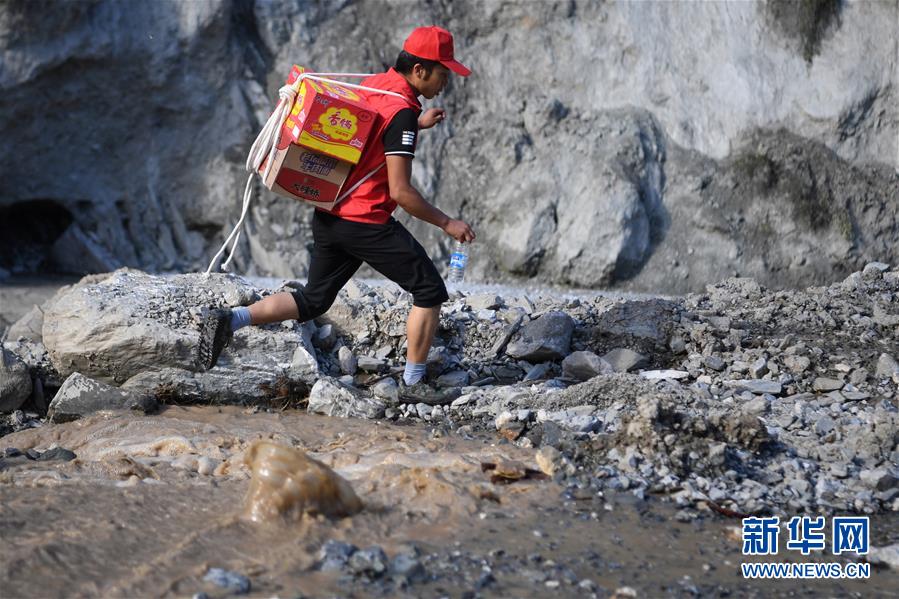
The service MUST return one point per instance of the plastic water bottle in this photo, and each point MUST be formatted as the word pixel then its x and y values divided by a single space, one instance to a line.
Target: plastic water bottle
pixel 458 261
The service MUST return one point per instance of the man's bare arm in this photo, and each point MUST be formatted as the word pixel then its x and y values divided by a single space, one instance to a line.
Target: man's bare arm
pixel 399 178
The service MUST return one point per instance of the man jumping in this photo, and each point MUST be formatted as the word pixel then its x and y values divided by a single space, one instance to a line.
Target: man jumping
pixel 361 228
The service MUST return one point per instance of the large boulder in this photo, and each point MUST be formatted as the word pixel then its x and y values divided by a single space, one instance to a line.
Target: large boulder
pixel 141 329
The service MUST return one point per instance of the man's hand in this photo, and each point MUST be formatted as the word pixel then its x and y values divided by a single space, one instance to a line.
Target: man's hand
pixel 431 117
pixel 459 230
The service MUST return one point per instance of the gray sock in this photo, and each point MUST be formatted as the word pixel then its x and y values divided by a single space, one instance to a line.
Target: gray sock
pixel 240 317
pixel 413 372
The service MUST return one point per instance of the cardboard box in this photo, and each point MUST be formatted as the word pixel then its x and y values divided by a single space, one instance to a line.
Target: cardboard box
pixel 303 174
pixel 328 118
pixel 321 140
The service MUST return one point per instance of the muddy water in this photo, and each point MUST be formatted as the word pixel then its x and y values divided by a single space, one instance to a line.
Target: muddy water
pixel 133 516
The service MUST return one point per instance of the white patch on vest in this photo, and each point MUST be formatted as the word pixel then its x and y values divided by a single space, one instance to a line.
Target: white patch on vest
pixel 408 138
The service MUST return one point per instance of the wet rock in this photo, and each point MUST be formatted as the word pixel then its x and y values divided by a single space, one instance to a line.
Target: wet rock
pixel 15 381
pixel 545 338
pixel 231 581
pixel 371 562
pixel 334 555
pixel 584 365
pixel 57 454
pixel 625 360
pixel 286 484
pixel 409 567
pixel 330 398
pixel 80 395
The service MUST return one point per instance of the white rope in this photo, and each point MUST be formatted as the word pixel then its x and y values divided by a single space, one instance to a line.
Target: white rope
pixel 266 145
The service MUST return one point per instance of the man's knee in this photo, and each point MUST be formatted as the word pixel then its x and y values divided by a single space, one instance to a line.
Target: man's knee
pixel 430 296
pixel 311 307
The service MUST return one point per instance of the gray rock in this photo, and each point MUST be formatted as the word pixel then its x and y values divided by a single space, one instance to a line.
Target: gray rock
pixel 713 363
pixel 797 364
pixel 326 337
pixel 887 367
pixel 78 252
pixel 874 270
pixel 334 555
pixel 387 390
pixel 879 479
pixel 371 562
pixel 824 425
pixel 545 338
pixel 579 419
pixel 584 365
pixel 333 399
pixel 625 360
pixel 371 363
pixel 455 378
pixel 28 327
pixel 80 396
pixel 538 371
pixel 409 567
pixel 759 368
pixel 15 381
pixel 886 556
pixel 756 386
pixel 657 375
pixel 114 327
pixel 499 346
pixel 824 384
pixel 347 360
pixel 484 301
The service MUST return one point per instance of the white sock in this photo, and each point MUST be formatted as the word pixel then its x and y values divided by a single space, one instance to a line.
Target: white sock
pixel 414 372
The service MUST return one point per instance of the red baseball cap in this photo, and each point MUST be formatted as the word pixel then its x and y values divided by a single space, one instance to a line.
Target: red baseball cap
pixel 435 43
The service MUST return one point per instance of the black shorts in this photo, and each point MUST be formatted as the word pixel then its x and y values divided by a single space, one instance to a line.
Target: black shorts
pixel 341 246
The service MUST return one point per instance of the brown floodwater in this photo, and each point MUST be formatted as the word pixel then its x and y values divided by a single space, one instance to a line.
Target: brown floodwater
pixel 152 502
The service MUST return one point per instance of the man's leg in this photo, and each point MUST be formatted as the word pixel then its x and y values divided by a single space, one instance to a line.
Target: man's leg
pixel 391 250
pixel 274 308
pixel 421 325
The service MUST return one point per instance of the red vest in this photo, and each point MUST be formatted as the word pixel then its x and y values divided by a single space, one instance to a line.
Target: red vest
pixel 370 202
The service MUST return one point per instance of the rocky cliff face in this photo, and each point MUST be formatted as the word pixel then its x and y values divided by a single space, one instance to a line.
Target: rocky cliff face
pixel 652 146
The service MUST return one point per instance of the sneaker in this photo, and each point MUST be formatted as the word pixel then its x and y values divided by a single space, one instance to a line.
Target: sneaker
pixel 422 392
pixel 215 335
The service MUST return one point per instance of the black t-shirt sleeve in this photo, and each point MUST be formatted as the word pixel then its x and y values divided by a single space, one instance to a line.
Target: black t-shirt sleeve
pixel 401 135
